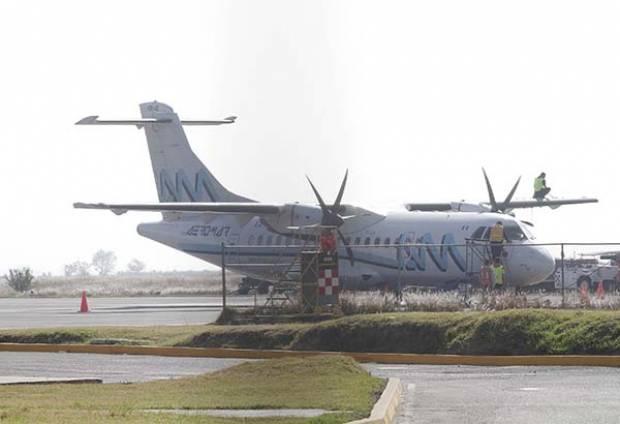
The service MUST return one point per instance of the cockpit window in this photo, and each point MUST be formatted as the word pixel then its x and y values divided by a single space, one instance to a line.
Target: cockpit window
pixel 477 235
pixel 513 232
pixel 528 232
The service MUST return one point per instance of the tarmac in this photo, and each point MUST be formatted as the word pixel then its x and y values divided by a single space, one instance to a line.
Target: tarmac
pixel 483 395
pixel 432 393
pixel 32 312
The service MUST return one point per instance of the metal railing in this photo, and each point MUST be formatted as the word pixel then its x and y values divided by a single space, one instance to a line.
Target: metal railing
pixel 286 266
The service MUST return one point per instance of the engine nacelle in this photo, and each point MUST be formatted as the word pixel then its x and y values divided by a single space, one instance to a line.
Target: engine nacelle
pixel 296 215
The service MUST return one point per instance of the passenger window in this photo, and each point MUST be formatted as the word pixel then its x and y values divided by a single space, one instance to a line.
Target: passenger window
pixel 377 241
pixel 279 241
pixel 259 240
pixel 269 240
pixel 386 241
pixel 487 233
pixel 251 240
pixel 367 241
pixel 347 240
pixel 358 240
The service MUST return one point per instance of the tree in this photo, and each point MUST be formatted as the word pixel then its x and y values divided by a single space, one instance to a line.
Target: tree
pixel 79 268
pixel 136 265
pixel 20 279
pixel 104 262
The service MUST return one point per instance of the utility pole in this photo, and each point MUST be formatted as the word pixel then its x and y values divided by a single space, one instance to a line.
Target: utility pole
pixel 562 270
pixel 223 276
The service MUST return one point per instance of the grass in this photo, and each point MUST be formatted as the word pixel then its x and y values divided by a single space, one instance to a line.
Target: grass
pixel 149 336
pixel 189 283
pixel 331 383
pixel 509 332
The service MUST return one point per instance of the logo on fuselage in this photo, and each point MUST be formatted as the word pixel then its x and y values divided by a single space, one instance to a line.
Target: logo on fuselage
pixel 413 258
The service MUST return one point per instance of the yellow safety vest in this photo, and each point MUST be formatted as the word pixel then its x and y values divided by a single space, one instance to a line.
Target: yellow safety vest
pixel 497 233
pixel 498 275
pixel 539 183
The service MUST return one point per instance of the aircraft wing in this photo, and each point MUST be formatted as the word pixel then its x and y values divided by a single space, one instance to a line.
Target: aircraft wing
pixel 121 208
pixel 552 203
pixel 486 207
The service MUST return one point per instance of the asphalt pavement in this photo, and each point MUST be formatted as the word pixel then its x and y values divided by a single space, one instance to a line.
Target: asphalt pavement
pixel 62 312
pixel 506 395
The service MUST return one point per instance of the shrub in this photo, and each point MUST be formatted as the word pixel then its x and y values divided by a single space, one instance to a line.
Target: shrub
pixel 20 279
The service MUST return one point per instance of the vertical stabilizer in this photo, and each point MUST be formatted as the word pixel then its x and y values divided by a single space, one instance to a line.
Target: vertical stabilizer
pixel 179 174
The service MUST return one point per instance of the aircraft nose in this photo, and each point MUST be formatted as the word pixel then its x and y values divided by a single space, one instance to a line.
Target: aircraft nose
pixel 544 264
pixel 533 264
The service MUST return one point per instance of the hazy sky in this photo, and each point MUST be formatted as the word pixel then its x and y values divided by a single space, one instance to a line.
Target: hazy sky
pixel 412 97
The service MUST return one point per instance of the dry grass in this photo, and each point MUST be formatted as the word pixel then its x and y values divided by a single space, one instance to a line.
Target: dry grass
pixel 450 301
pixel 126 285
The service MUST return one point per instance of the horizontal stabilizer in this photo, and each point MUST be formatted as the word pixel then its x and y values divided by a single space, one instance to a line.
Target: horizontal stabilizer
pixel 94 120
pixel 250 208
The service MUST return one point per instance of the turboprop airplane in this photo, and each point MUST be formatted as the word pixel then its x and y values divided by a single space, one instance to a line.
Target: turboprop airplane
pixel 199 215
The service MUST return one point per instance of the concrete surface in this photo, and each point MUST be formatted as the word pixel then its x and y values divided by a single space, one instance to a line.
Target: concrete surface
pixel 245 413
pixel 386 407
pixel 109 368
pixel 13 380
pixel 481 395
pixel 62 312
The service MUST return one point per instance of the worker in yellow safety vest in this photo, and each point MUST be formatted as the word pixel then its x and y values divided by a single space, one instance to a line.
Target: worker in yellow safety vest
pixel 498 275
pixel 497 240
pixel 540 187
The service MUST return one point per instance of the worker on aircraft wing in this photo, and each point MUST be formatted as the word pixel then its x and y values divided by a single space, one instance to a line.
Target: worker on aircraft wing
pixel 540 187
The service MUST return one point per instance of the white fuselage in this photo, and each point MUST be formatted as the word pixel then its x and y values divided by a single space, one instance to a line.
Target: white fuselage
pixel 258 248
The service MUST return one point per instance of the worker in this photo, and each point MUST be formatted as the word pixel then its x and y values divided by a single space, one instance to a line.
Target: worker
pixel 540 187
pixel 497 240
pixel 485 275
pixel 498 275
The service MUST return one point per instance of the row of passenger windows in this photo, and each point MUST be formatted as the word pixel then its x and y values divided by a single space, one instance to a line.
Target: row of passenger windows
pixel 279 240
pixel 357 241
pixel 275 241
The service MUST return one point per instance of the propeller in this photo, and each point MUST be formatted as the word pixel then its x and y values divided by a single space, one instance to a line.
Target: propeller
pixel 331 214
pixel 503 207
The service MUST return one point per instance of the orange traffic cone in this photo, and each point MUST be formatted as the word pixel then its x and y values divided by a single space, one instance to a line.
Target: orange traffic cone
pixel 84 305
pixel 600 290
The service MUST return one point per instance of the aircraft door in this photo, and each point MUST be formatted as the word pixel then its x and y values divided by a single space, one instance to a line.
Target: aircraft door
pixel 232 251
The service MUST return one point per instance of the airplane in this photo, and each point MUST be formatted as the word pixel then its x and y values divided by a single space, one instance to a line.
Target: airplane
pixel 204 219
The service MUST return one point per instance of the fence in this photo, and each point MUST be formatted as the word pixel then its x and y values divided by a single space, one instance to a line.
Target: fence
pixel 438 265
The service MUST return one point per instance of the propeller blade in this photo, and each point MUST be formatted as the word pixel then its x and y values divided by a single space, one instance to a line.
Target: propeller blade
pixel 494 207
pixel 324 207
pixel 347 248
pixel 336 206
pixel 512 193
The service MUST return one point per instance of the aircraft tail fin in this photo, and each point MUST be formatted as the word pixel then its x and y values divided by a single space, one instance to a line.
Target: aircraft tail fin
pixel 179 175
